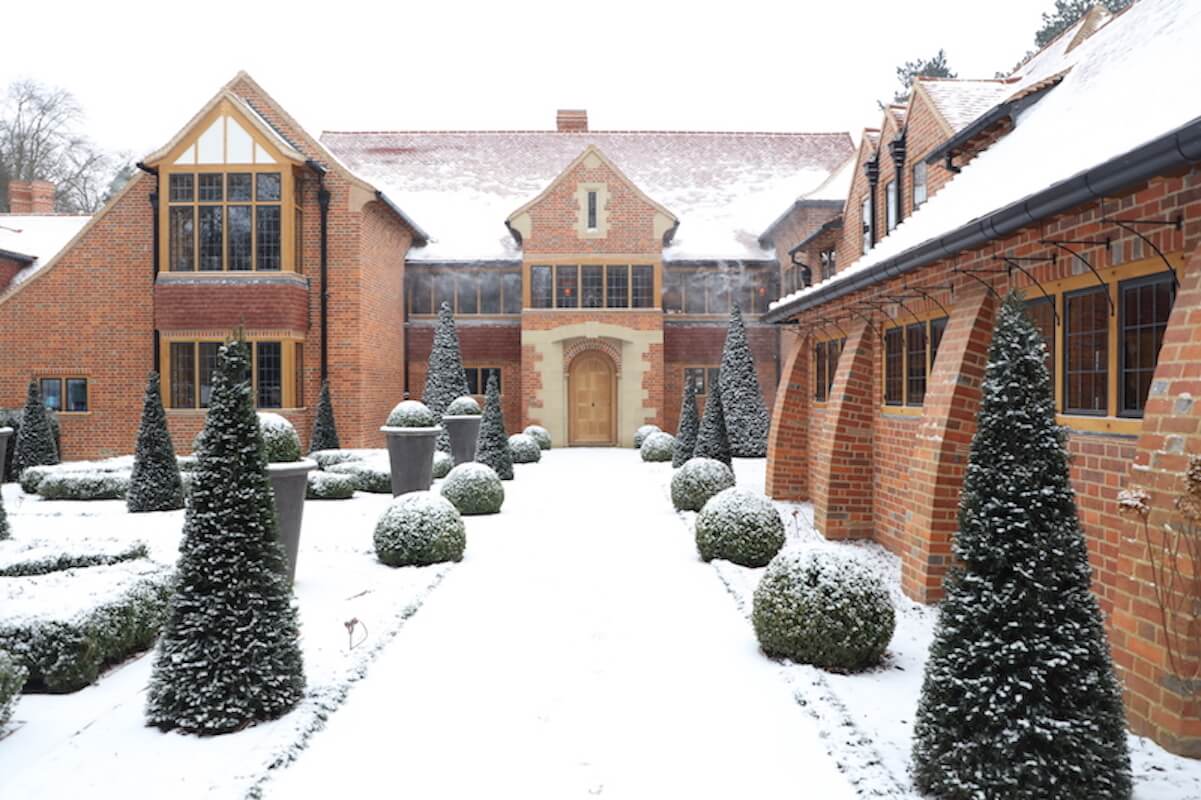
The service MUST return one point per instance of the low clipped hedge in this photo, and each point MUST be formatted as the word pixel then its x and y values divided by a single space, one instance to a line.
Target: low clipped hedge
pixel 12 677
pixel 327 458
pixel 83 485
pixel 474 488
pixel 31 477
pixel 443 464
pixel 823 607
pixel 540 435
pixel 68 653
pixel 369 476
pixel 741 526
pixel 699 479
pixel 643 432
pixel 330 486
pixel 418 529
pixel 657 447
pixel 524 449
pixel 44 564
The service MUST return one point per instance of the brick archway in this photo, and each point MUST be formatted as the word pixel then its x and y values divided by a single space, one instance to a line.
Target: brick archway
pixel 788 439
pixel 576 348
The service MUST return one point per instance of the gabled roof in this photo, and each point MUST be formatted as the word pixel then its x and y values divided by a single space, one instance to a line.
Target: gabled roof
pixel 959 102
pixel 723 187
pixel 265 129
pixel 591 150
pixel 35 239
pixel 830 192
pixel 1055 143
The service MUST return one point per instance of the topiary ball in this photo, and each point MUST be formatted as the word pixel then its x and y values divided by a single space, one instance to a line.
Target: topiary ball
pixel 463 406
pixel 419 528
pixel 474 488
pixel 643 432
pixel 539 434
pixel 524 449
pixel 330 485
pixel 658 447
pixel 412 414
pixel 823 607
pixel 280 441
pixel 697 481
pixel 442 463
pixel 740 526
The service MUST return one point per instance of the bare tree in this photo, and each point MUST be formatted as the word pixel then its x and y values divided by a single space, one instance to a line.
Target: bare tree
pixel 40 138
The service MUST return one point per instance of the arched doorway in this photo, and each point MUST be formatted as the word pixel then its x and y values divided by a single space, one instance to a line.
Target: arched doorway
pixel 592 400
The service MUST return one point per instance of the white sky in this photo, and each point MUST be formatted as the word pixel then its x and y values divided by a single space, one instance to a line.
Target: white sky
pixel 142 69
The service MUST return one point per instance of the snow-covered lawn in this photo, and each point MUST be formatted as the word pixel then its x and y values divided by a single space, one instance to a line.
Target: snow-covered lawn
pixel 94 743
pixel 867 720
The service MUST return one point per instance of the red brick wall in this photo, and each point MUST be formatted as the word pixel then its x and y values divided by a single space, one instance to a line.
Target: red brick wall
pixel 275 304
pixel 90 314
pixel 8 268
pixel 694 344
pixel 913 470
pixel 482 344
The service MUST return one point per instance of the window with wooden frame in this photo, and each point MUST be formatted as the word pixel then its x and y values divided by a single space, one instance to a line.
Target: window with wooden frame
pixel 1086 352
pixel 469 291
pixel 825 367
pixel 1144 306
pixel 919 183
pixel 865 218
pixel 477 380
pixel 894 367
pixel 915 363
pixel 593 286
pixel 703 378
pixel 1042 314
pixel 542 290
pixel 189 366
pixel 225 221
pixel 891 203
pixel 828 260
pixel 64 394
pixel 713 291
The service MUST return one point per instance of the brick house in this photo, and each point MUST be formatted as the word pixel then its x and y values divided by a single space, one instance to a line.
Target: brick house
pixel 593 271
pixel 1026 182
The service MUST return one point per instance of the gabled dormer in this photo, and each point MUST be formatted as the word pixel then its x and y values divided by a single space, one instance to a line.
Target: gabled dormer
pixel 227 194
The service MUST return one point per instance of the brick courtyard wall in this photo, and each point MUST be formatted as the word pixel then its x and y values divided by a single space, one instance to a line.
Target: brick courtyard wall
pixel 901 485
pixel 696 344
pixel 89 314
pixel 483 343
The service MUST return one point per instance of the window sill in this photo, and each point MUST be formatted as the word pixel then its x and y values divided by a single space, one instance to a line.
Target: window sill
pixel 901 411
pixel 1119 426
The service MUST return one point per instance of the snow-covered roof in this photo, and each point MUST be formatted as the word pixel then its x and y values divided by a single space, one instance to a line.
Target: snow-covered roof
pixel 723 187
pixel 837 186
pixel 38 237
pixel 960 102
pixel 1072 128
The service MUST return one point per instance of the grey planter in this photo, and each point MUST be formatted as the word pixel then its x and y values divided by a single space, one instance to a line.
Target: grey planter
pixel 464 434
pixel 289 480
pixel 411 457
pixel 5 435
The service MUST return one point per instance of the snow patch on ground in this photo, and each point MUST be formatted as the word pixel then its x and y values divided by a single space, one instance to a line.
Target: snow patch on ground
pixel 866 720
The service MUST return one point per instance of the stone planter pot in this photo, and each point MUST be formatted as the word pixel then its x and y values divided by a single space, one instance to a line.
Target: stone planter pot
pixel 411 457
pixel 289 481
pixel 464 434
pixel 5 435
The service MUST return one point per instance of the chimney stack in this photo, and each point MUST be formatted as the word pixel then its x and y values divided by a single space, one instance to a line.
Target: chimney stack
pixel 30 197
pixel 572 121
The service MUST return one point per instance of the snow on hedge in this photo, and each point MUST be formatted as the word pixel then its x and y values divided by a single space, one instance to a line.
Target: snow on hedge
pixel 658 446
pixel 463 406
pixel 474 488
pixel 327 458
pixel 419 529
pixel 12 678
pixel 330 485
pixel 31 477
pixel 412 414
pixel 539 434
pixel 739 525
pixel 699 479
pixel 84 485
pixel 524 449
pixel 41 555
pixel 443 463
pixel 64 627
pixel 374 475
pixel 643 432
pixel 281 443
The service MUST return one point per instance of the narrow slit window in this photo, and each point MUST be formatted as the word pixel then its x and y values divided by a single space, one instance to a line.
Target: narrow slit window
pixel 269 369
pixel 183 374
pixel 894 367
pixel 937 328
pixel 591 211
pixel 820 353
pixel 1086 352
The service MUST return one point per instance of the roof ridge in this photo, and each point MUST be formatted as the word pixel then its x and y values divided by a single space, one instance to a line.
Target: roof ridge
pixel 585 133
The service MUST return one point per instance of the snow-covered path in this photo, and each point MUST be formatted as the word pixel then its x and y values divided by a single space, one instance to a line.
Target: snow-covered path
pixel 580 649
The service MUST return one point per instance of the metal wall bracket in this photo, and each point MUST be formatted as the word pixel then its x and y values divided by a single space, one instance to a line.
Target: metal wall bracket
pixel 922 291
pixel 871 325
pixel 1015 263
pixel 1066 246
pixel 974 275
pixel 1128 225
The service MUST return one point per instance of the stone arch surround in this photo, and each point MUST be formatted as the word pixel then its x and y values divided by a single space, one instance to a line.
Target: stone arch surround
pixel 547 355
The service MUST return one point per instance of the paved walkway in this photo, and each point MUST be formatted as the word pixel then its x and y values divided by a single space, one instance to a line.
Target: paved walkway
pixel 581 649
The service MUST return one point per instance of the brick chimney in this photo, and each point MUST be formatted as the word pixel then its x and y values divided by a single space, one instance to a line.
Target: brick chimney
pixel 30 197
pixel 572 121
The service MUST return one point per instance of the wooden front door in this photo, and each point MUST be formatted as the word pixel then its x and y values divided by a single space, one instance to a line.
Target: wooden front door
pixel 590 389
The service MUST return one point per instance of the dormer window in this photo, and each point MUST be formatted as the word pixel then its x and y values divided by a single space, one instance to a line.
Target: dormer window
pixel 919 183
pixel 591 210
pixel 890 205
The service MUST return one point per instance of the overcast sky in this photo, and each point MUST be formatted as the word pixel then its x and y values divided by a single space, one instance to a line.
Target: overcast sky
pixel 141 69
